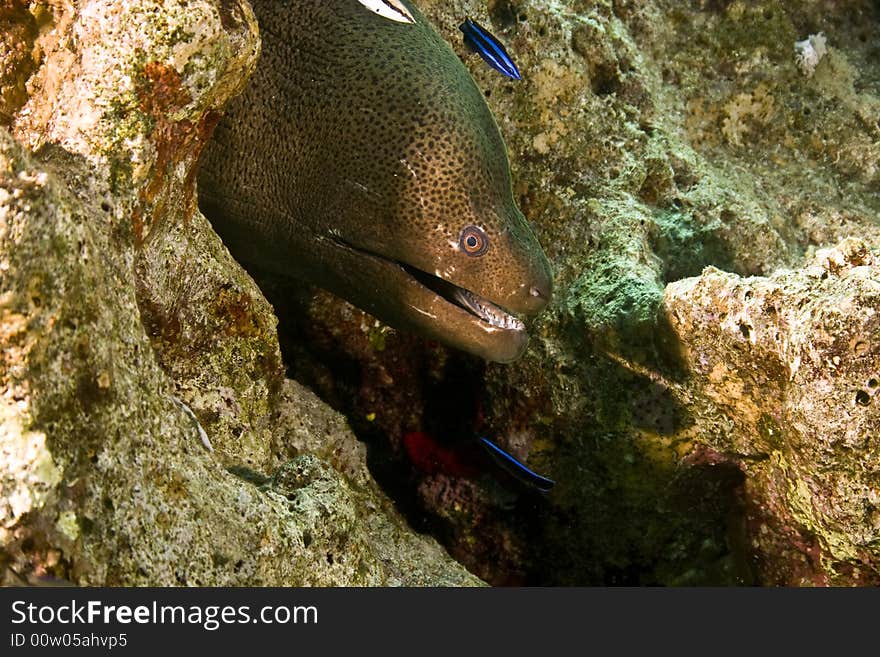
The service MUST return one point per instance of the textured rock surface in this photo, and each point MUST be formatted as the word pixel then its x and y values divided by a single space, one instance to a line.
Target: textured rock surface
pixel 18 29
pixel 787 374
pixel 649 140
pixel 120 311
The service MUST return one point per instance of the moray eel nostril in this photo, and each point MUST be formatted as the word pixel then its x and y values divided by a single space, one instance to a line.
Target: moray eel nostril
pixel 363 158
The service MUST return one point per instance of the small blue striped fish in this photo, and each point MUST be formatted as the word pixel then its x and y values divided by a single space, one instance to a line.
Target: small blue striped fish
pixel 489 48
pixel 517 468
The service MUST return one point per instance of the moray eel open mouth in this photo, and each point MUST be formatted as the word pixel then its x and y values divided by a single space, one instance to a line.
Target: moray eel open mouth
pixel 477 305
pixel 463 299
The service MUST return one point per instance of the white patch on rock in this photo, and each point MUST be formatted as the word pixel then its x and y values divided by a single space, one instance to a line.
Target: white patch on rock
pixel 28 473
pixel 203 436
pixel 809 52
pixel 68 525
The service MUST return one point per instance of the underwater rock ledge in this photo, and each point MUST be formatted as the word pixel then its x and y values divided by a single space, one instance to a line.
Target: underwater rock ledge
pixel 784 382
pixel 127 331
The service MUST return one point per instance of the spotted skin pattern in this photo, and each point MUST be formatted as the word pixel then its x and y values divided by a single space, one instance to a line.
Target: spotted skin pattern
pixel 362 145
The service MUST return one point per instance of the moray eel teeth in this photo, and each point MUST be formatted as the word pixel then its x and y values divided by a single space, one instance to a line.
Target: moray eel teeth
pixel 488 311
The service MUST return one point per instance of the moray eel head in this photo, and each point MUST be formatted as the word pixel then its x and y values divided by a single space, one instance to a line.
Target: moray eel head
pixel 383 177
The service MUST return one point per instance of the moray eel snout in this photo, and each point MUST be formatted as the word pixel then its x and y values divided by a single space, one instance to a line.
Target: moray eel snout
pixel 363 158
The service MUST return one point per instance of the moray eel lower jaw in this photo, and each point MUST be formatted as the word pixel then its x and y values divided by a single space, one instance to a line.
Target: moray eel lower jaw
pixel 479 306
pixel 432 306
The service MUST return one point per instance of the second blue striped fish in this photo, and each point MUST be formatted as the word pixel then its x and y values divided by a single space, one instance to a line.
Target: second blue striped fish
pixel 517 468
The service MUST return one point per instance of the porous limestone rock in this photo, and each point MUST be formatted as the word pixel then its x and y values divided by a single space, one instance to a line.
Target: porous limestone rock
pixel 785 380
pixel 648 140
pixel 18 29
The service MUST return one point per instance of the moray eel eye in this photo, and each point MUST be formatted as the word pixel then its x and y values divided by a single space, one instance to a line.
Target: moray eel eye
pixel 474 241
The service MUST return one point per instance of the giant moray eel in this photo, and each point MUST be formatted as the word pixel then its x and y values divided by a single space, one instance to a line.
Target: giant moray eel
pixel 363 158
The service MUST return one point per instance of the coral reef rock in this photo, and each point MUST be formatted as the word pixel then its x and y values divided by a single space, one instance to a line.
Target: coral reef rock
pixel 131 342
pixel 786 375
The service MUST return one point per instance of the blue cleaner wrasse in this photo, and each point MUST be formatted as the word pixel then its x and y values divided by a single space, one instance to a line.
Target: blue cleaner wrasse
pixel 517 468
pixel 431 456
pixel 489 48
